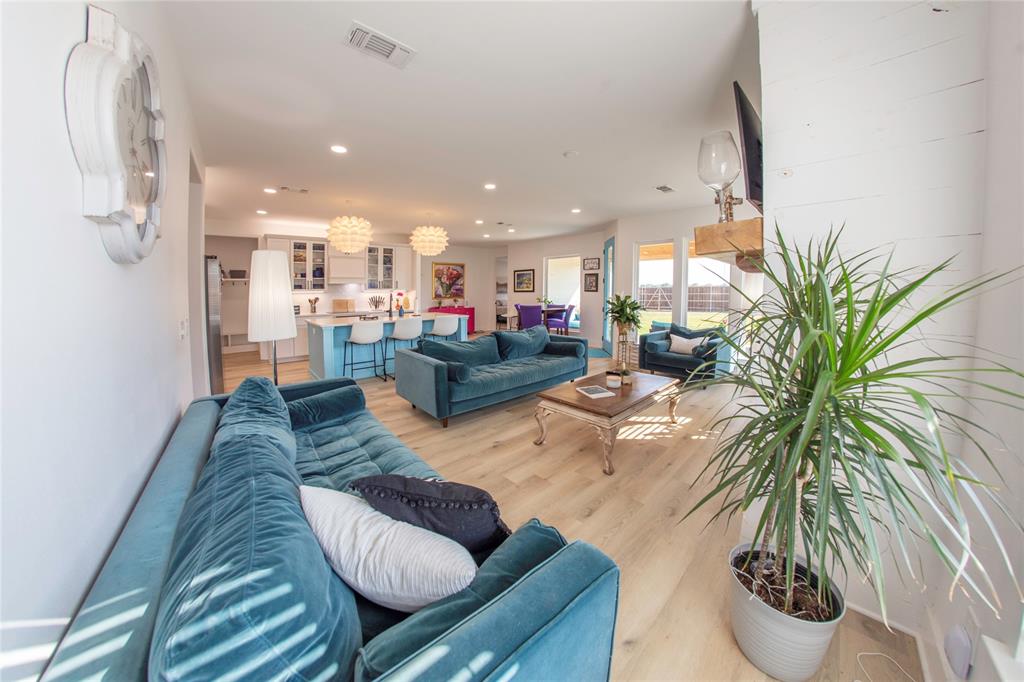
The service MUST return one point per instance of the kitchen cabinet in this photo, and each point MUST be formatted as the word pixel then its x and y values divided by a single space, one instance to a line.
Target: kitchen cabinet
pixel 345 268
pixel 309 265
pixel 301 341
pixel 380 267
pixel 388 267
pixel 307 260
pixel 290 349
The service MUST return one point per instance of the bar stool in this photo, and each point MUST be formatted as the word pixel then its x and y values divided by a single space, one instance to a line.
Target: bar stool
pixel 365 333
pixel 406 329
pixel 444 327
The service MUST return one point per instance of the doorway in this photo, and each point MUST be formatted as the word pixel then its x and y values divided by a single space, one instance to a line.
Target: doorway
pixel 609 286
pixel 201 371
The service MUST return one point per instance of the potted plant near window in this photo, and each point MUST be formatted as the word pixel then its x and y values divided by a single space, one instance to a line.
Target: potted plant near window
pixel 624 312
pixel 848 449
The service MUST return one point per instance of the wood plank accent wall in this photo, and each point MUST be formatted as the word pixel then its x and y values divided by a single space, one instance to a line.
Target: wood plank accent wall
pixel 874 115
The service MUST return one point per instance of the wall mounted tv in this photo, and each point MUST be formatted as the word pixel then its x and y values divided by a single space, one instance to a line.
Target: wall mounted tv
pixel 750 146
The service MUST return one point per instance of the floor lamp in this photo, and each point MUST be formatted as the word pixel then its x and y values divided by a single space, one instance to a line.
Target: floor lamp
pixel 271 316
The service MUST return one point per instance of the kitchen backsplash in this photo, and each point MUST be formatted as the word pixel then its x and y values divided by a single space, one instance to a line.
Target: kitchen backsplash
pixel 352 291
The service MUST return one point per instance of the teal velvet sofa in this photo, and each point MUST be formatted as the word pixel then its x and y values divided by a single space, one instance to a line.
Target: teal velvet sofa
pixel 449 378
pixel 216 575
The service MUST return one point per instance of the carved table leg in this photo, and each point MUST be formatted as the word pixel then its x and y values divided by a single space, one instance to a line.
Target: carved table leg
pixel 608 437
pixel 672 402
pixel 541 415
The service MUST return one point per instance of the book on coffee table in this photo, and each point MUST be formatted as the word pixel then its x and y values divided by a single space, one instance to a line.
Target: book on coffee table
pixel 595 392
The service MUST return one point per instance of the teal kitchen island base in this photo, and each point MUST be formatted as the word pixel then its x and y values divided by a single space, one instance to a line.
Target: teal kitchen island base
pixel 328 338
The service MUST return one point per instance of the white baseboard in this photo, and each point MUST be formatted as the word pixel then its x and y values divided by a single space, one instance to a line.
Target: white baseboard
pixel 244 348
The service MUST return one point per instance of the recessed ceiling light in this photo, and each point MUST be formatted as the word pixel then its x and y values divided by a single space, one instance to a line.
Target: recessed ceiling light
pixel 576 210
pixel 487 236
pixel 338 149
pixel 490 185
pixel 479 222
pixel 260 212
pixel 511 229
pixel 270 190
pixel 150 174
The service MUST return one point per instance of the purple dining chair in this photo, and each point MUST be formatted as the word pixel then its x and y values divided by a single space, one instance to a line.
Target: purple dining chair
pixel 529 315
pixel 561 325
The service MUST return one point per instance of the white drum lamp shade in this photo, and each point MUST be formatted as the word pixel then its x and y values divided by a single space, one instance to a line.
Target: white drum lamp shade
pixel 271 316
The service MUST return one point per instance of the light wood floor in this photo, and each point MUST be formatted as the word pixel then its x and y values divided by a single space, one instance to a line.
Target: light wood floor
pixel 673 619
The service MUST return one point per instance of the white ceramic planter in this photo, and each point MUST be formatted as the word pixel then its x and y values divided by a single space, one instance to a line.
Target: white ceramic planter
pixel 786 648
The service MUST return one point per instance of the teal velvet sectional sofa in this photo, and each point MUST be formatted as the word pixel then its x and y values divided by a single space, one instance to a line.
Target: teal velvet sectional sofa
pixel 446 378
pixel 217 575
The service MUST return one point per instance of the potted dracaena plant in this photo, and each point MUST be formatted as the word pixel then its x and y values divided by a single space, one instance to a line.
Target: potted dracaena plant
pixel 624 312
pixel 842 436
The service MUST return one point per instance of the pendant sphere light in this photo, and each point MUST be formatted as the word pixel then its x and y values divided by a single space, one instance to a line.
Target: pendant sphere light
pixel 350 234
pixel 429 240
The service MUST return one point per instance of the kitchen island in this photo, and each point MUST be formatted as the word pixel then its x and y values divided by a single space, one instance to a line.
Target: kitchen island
pixel 328 337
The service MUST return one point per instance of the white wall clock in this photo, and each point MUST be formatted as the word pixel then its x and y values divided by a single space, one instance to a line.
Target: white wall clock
pixel 112 103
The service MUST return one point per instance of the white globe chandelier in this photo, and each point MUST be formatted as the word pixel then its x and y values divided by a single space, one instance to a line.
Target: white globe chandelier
pixel 429 240
pixel 349 234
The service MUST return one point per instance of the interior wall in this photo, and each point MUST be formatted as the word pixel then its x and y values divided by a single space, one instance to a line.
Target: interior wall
pixel 668 226
pixel 197 282
pixel 531 254
pixel 480 280
pixel 882 123
pixel 96 357
pixel 999 322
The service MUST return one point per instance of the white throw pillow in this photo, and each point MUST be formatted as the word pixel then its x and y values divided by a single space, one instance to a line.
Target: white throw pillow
pixel 392 563
pixel 678 344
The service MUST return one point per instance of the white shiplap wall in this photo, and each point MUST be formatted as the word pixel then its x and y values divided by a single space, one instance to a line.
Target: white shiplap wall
pixel 874 115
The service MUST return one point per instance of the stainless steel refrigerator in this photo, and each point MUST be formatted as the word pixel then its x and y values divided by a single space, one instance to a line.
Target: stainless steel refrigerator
pixel 213 325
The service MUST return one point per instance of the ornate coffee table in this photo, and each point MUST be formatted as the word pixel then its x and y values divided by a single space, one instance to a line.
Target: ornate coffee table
pixel 606 414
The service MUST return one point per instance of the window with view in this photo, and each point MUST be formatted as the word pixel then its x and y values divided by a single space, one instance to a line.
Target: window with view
pixel 654 276
pixel 707 296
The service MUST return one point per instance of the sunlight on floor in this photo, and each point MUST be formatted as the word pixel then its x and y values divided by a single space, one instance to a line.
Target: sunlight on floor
pixel 650 427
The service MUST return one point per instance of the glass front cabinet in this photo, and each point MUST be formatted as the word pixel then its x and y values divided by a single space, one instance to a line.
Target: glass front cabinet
pixel 307 259
pixel 380 267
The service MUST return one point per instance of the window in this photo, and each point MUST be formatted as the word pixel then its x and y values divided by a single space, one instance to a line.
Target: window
pixel 707 295
pixel 562 284
pixel 654 275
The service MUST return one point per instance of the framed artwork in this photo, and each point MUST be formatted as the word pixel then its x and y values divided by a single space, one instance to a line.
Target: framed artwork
pixel 448 280
pixel 590 281
pixel 591 264
pixel 522 280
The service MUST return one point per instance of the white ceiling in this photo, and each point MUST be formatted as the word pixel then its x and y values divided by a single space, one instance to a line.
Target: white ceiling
pixel 496 93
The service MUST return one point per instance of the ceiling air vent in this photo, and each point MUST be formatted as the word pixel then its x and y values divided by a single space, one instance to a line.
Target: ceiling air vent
pixel 665 188
pixel 376 44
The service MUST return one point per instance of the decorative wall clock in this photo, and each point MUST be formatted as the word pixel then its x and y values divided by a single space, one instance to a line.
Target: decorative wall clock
pixel 112 102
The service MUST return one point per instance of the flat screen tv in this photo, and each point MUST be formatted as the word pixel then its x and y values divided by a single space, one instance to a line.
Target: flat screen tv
pixel 750 147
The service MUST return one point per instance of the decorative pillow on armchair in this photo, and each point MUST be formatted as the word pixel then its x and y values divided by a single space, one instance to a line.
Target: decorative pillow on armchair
pixel 683 345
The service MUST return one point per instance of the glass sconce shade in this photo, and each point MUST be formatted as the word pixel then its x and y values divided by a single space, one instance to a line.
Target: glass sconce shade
pixel 718 164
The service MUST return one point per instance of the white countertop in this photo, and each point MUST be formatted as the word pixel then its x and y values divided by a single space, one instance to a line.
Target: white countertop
pixel 332 321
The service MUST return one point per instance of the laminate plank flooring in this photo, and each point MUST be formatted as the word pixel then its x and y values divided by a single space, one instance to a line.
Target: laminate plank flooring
pixel 673 618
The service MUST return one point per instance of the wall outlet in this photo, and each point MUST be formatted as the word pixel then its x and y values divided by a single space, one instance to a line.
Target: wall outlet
pixel 182 329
